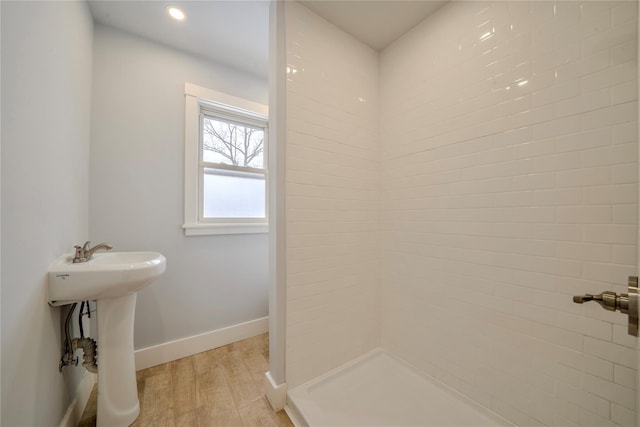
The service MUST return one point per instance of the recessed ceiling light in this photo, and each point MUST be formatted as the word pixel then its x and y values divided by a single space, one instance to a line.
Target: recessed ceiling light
pixel 176 13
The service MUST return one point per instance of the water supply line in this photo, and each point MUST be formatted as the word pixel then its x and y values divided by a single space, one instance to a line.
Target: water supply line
pixel 67 356
pixel 88 346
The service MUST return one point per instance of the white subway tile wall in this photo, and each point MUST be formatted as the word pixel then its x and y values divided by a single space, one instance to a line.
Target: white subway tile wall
pixel 509 174
pixel 447 197
pixel 332 197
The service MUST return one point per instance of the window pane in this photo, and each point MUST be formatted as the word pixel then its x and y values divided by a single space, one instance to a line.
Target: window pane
pixel 226 196
pixel 231 143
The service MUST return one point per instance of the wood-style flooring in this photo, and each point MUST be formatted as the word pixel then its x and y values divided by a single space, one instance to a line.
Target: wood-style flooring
pixel 220 387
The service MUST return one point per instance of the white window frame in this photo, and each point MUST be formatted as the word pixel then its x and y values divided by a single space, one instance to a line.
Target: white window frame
pixel 198 99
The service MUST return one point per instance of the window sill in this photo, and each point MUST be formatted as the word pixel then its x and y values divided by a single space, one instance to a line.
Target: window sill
pixel 231 228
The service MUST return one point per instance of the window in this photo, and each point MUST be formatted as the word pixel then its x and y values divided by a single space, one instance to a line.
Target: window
pixel 225 164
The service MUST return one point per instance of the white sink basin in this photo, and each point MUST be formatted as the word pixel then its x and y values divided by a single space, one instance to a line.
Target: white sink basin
pixel 106 275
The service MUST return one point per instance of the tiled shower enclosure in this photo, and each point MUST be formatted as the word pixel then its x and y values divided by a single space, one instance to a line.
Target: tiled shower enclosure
pixel 447 196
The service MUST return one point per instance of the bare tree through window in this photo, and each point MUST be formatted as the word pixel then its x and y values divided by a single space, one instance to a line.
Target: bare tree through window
pixel 233 144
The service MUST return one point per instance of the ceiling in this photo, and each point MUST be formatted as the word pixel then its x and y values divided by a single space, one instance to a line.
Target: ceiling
pixel 374 22
pixel 236 32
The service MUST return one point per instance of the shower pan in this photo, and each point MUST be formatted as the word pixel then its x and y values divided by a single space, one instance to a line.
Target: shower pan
pixel 402 397
pixel 441 201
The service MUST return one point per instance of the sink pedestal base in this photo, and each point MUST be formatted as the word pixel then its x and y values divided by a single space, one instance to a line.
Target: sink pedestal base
pixel 118 404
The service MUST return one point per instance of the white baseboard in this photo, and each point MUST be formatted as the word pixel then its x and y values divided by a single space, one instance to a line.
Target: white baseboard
pixel 76 408
pixel 276 394
pixel 173 350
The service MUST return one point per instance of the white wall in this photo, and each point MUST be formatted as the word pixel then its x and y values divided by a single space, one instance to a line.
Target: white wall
pixel 509 171
pixel 332 194
pixel 46 103
pixel 136 198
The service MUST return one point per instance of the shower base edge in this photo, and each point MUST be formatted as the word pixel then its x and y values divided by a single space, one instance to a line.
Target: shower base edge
pixel 379 389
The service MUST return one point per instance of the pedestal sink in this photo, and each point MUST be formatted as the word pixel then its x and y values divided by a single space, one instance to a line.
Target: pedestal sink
pixel 112 279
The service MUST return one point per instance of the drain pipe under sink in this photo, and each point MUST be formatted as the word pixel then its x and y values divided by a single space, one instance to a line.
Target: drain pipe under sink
pixel 88 346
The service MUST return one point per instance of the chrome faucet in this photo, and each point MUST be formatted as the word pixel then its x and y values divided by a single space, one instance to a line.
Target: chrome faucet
pixel 84 253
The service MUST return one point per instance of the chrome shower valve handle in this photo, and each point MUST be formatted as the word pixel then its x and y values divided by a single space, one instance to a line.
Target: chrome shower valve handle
pixel 582 299
pixel 625 303
pixel 608 300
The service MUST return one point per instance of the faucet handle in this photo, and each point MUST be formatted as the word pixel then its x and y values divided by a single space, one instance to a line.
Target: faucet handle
pixel 79 256
pixel 86 245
